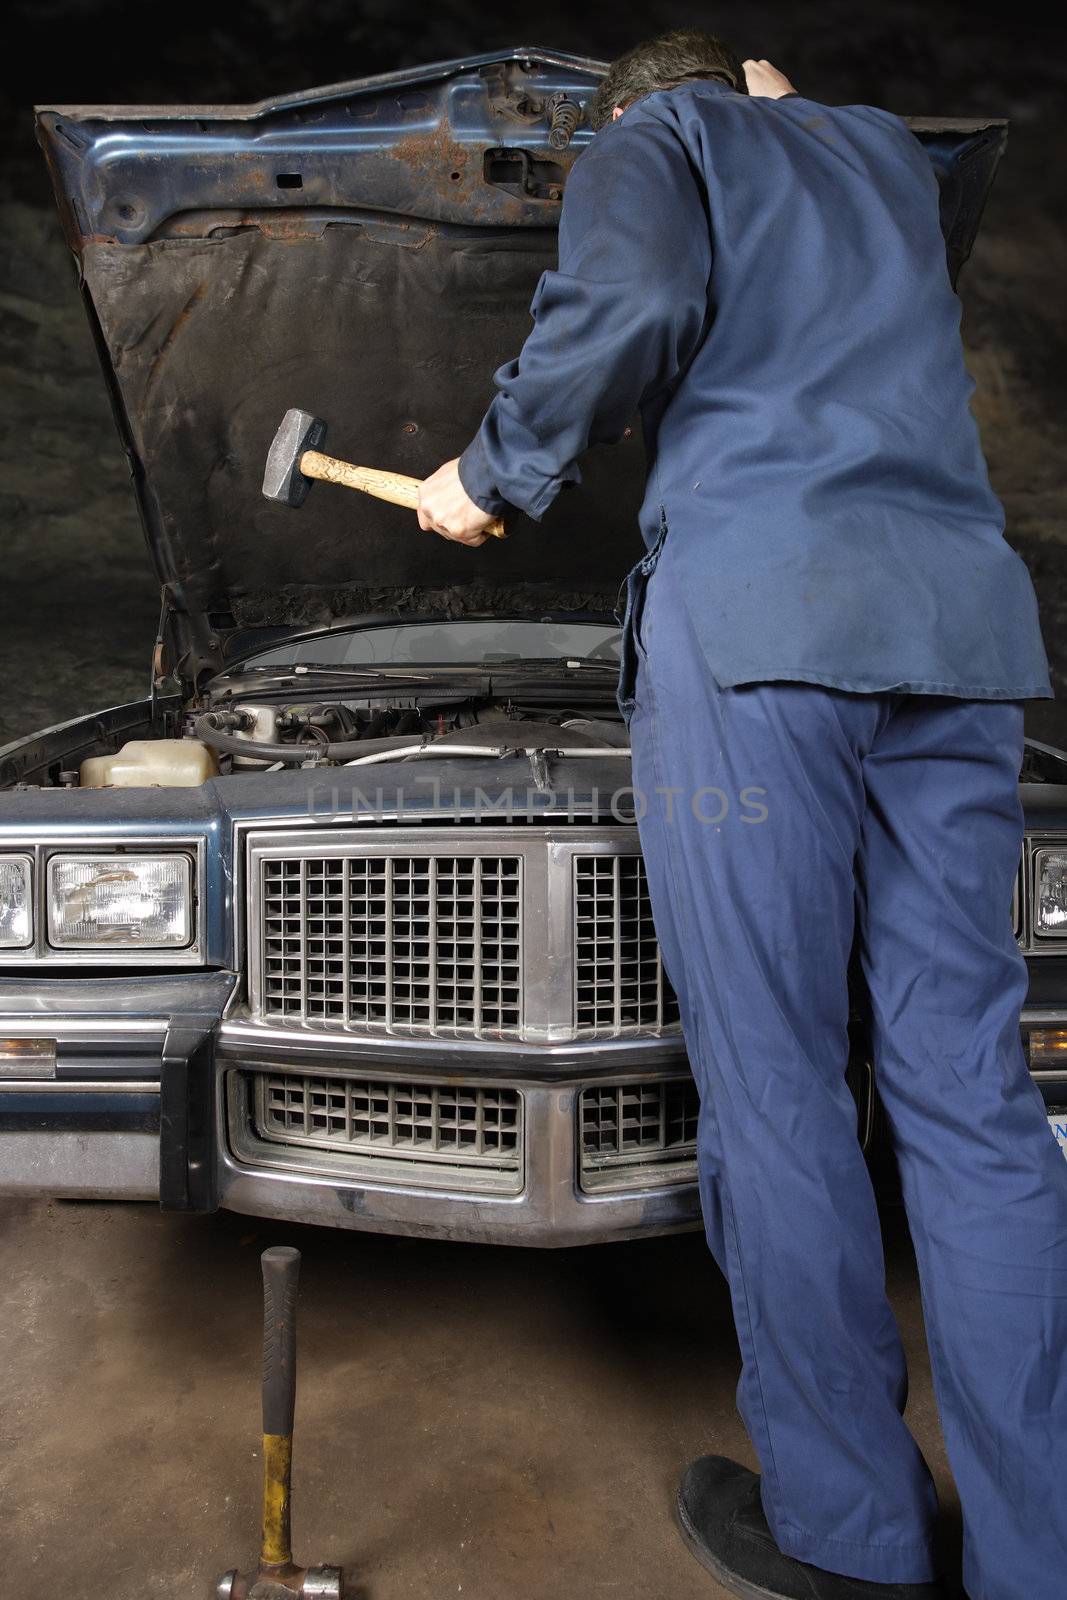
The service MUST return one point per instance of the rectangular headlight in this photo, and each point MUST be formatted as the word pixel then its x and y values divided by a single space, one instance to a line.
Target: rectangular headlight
pixel 120 902
pixel 16 902
pixel 1050 893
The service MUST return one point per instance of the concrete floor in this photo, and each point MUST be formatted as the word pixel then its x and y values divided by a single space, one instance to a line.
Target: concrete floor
pixel 471 1422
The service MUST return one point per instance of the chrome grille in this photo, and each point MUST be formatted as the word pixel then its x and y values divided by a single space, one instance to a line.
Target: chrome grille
pixel 620 985
pixel 458 1125
pixel 629 1124
pixel 482 933
pixel 413 943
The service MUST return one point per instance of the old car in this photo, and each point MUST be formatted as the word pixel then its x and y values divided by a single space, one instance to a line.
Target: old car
pixel 346 920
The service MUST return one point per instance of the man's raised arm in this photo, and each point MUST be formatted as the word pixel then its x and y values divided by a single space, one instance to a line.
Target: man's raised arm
pixel 615 323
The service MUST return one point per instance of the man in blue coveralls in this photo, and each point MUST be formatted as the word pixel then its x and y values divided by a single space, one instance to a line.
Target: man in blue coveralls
pixel 827 611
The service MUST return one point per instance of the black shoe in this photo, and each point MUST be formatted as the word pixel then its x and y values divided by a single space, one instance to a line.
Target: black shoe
pixel 723 1524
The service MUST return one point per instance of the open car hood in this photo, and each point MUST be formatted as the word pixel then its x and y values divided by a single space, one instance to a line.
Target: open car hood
pixel 366 252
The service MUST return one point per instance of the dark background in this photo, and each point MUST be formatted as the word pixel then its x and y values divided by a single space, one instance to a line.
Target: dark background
pixel 78 600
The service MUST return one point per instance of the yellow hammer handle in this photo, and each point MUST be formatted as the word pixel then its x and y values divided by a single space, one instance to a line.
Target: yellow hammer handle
pixel 276 1549
pixel 392 486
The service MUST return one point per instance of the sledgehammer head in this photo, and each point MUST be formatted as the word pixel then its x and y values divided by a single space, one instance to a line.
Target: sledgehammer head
pixel 283 480
pixel 290 1583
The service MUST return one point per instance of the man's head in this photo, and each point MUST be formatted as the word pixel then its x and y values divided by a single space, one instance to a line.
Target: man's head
pixel 664 63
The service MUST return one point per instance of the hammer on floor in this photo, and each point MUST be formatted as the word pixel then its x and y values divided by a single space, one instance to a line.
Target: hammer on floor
pixel 278 1577
pixel 294 461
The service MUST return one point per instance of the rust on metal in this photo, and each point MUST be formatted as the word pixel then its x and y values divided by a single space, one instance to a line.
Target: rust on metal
pixel 437 156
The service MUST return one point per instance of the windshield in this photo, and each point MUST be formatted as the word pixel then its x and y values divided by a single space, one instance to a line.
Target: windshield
pixel 457 643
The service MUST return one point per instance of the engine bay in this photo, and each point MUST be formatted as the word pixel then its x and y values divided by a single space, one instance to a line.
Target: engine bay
pixel 235 732
pixel 247 723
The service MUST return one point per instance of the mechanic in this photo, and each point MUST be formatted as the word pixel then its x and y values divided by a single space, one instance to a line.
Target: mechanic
pixel 827 611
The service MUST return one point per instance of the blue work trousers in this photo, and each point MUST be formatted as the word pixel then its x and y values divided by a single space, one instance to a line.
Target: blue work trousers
pixel 777 820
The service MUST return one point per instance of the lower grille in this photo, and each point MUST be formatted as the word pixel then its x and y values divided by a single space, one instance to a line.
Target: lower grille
pixel 455 1125
pixel 620 985
pixel 626 1120
pixel 626 1125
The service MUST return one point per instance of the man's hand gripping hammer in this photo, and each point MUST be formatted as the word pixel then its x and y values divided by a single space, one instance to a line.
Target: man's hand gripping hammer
pixel 295 462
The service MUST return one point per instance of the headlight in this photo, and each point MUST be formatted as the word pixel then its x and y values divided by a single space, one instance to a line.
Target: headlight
pixel 121 902
pixel 1050 892
pixel 16 902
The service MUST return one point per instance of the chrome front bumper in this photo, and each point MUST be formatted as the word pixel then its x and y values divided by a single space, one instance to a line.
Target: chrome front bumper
pixel 95 1125
pixel 94 1129
pixel 544 1205
pixel 550 1210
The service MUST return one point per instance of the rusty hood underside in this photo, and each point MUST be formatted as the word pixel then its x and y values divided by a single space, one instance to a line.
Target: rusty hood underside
pixel 367 252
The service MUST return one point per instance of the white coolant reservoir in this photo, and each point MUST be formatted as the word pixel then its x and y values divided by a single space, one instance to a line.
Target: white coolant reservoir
pixel 151 764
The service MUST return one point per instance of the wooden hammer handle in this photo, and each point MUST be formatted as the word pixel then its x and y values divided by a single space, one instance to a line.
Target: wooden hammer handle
pixel 392 486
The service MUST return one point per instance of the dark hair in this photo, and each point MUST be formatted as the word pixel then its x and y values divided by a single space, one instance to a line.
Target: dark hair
pixel 664 63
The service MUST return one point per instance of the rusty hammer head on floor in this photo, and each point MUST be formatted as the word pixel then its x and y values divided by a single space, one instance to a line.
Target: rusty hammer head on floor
pixel 283 480
pixel 267 1583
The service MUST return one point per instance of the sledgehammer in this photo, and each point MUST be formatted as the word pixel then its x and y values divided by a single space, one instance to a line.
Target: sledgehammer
pixel 278 1577
pixel 294 461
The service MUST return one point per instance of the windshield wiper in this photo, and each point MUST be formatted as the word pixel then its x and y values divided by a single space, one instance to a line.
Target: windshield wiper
pixel 433 670
pixel 343 669
pixel 567 663
pixel 345 672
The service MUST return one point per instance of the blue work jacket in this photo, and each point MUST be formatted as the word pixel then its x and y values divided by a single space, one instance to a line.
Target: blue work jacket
pixel 766 280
